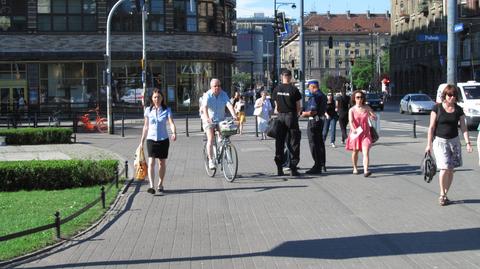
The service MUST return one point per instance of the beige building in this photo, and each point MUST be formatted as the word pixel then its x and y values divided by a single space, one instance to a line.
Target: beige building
pixel 352 36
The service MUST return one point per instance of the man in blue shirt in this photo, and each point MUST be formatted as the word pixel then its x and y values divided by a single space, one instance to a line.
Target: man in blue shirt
pixel 315 111
pixel 213 111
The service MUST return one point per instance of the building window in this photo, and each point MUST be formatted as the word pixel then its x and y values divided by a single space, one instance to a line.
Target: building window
pixel 327 52
pixel 309 43
pixel 367 52
pixel 347 52
pixel 337 52
pixel 357 43
pixel 67 15
pixel 206 17
pixel 357 52
pixel 156 16
pixel 184 16
pixel 229 18
pixel 327 63
pixel 13 16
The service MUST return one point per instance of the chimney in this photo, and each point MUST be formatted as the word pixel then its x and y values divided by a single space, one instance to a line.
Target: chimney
pixel 348 14
pixel 328 14
pixel 368 14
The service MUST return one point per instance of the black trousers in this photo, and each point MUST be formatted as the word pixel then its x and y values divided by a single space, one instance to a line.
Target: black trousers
pixel 343 122
pixel 288 124
pixel 316 143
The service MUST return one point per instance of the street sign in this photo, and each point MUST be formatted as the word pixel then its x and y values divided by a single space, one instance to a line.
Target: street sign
pixel 458 27
pixel 429 38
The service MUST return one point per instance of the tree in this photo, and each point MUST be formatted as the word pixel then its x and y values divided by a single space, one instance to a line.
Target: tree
pixel 241 79
pixel 336 83
pixel 362 73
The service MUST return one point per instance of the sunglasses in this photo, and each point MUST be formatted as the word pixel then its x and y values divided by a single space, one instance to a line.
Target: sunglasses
pixel 451 95
pixel 358 97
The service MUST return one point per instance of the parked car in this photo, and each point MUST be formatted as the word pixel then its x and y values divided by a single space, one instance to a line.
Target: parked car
pixel 468 99
pixel 133 96
pixel 374 100
pixel 416 103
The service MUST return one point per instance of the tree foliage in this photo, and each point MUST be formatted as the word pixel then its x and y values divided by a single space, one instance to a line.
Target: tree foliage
pixel 336 83
pixel 241 79
pixel 362 73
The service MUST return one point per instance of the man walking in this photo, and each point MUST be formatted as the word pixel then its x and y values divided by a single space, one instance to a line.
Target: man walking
pixel 287 105
pixel 315 111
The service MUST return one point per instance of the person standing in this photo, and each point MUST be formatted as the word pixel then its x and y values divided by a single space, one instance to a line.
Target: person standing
pixel 331 118
pixel 315 111
pixel 262 110
pixel 343 103
pixel 239 108
pixel 287 105
pixel 444 120
pixel 155 132
pixel 212 108
pixel 359 138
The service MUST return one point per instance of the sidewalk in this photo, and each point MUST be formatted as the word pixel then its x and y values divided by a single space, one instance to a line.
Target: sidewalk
pixel 338 220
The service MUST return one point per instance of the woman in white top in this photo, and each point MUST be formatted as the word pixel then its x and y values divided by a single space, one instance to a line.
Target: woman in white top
pixel 263 108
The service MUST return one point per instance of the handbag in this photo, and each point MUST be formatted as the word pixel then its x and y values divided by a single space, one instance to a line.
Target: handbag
pixel 140 164
pixel 272 129
pixel 373 133
pixel 428 167
pixel 257 111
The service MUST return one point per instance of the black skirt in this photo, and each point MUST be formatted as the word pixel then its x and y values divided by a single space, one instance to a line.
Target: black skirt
pixel 158 149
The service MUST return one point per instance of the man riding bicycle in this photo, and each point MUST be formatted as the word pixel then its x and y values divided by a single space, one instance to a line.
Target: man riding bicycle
pixel 213 111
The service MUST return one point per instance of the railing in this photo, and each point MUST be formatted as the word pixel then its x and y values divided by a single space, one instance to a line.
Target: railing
pixel 58 221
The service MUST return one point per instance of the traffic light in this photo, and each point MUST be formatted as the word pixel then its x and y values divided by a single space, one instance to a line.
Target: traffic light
pixel 296 74
pixel 293 63
pixel 465 33
pixel 279 24
pixel 330 42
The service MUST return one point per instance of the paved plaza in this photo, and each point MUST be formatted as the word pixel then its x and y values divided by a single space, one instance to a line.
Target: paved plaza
pixel 338 220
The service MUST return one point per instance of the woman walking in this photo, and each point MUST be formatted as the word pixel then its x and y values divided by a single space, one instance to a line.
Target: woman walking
pixel 155 131
pixel 331 120
pixel 263 108
pixel 359 138
pixel 444 121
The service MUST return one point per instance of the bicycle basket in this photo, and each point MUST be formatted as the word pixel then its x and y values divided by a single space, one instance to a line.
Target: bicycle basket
pixel 227 128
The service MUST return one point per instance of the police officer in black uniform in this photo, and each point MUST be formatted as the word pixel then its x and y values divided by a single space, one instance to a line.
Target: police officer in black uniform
pixel 287 104
pixel 315 111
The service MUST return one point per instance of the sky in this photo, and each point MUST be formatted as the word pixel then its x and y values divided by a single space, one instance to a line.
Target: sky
pixel 246 8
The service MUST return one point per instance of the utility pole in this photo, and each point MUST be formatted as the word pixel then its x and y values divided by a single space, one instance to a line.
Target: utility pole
pixel 144 52
pixel 302 55
pixel 451 42
pixel 274 60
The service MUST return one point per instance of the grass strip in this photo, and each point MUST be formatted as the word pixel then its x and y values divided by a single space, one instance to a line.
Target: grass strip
pixel 28 209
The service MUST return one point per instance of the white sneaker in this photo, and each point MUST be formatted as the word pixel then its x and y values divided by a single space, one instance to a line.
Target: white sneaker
pixel 211 164
pixel 333 145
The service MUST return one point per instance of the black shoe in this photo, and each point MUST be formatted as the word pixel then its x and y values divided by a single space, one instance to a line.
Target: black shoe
pixel 314 171
pixel 280 172
pixel 294 173
pixel 151 190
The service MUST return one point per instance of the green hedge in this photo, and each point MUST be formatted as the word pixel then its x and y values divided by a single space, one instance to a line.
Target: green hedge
pixel 36 136
pixel 55 174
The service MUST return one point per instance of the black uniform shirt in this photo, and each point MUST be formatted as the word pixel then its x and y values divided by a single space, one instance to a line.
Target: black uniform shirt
pixel 286 96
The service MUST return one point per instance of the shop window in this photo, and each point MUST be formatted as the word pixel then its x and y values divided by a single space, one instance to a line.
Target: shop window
pixel 13 15
pixel 67 15
pixel 156 16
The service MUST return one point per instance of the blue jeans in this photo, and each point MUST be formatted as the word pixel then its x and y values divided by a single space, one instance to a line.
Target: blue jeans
pixel 330 124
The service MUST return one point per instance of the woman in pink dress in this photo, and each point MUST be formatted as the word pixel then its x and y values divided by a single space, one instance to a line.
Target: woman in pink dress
pixel 359 138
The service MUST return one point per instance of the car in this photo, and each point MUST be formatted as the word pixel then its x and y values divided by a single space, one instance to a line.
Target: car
pixel 416 103
pixel 374 100
pixel 133 96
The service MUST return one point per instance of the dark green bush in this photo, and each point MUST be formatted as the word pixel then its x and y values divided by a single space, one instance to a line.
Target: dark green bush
pixel 36 136
pixel 55 174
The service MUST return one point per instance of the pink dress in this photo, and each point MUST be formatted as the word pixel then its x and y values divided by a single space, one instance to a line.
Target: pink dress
pixel 364 139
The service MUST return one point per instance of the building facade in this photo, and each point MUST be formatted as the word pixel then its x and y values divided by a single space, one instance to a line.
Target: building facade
pixel 255 48
pixel 351 36
pixel 53 50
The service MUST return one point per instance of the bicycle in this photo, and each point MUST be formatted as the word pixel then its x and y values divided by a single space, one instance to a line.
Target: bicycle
pixel 225 154
pixel 54 118
pixel 100 122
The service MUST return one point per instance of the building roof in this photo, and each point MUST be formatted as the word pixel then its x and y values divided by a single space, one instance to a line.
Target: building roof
pixel 348 23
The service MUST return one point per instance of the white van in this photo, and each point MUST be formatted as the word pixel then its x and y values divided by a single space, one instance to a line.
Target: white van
pixel 469 100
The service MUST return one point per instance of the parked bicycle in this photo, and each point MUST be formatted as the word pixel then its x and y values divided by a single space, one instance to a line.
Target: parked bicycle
pixel 54 118
pixel 224 152
pixel 100 123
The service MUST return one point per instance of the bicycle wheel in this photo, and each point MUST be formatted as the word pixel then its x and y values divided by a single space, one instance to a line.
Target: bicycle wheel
pixel 210 172
pixel 230 162
pixel 101 125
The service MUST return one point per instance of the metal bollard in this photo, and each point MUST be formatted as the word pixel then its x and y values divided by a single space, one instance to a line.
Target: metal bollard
pixel 123 124
pixel 256 126
pixel 126 169
pixel 102 196
pixel 414 128
pixel 57 224
pixel 35 120
pixel 186 126
pixel 116 177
